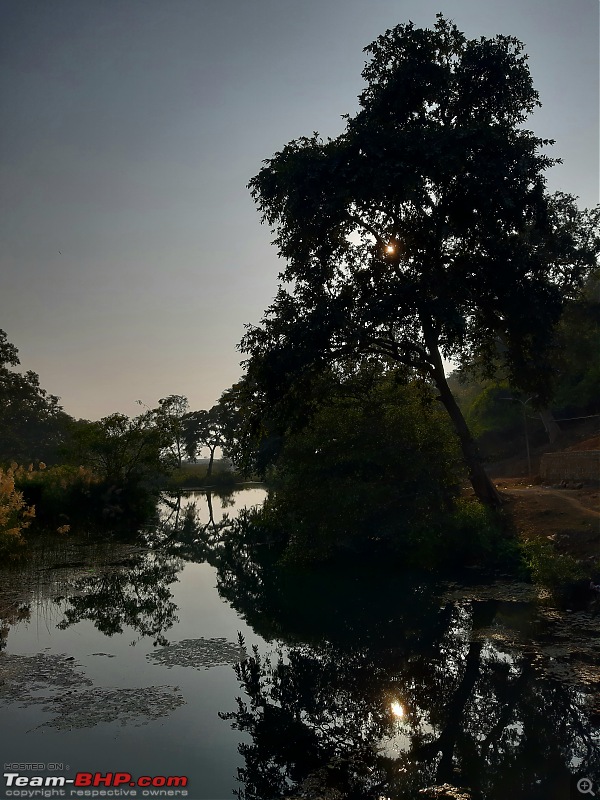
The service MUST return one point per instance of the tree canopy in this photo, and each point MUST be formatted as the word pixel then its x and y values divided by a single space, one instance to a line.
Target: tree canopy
pixel 124 450
pixel 425 229
pixel 33 424
pixel 205 429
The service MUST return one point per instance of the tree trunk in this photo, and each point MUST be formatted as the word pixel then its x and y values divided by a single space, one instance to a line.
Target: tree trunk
pixel 446 743
pixel 210 463
pixel 551 425
pixel 483 487
pixel 211 519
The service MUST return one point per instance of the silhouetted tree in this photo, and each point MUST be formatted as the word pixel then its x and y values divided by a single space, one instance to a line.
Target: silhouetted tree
pixel 424 230
pixel 33 425
pixel 170 417
pixel 204 429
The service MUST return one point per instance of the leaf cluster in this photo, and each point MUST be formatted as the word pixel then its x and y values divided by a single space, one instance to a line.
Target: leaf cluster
pixel 33 425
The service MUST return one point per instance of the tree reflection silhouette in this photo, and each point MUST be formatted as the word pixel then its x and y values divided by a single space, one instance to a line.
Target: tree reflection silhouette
pixel 478 711
pixel 135 594
pixel 180 532
pixel 11 613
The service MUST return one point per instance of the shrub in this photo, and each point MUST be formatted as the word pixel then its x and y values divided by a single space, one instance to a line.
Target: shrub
pixel 15 515
pixel 557 573
pixel 374 472
pixel 58 493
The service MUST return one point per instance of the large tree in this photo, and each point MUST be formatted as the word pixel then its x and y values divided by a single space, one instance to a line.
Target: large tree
pixel 124 450
pixel 425 229
pixel 33 424
pixel 170 417
pixel 206 429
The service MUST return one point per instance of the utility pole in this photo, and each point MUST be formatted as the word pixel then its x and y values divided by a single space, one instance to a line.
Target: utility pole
pixel 524 404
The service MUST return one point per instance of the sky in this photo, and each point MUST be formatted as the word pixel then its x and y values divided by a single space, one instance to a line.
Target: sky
pixel 131 252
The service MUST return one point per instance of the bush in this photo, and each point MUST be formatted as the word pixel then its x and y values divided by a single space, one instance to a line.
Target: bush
pixel 58 493
pixel 477 535
pixel 375 472
pixel 561 575
pixel 66 496
pixel 15 515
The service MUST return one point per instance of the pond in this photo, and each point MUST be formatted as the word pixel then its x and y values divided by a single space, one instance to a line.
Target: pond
pixel 181 653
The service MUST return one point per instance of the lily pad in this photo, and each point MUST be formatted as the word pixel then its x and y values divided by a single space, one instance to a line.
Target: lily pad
pixel 85 709
pixel 54 683
pixel 199 654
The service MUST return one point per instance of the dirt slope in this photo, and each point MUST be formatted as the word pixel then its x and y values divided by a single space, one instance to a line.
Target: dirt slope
pixel 568 517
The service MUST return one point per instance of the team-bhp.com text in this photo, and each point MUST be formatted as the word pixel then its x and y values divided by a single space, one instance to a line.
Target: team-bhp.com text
pixel 94 784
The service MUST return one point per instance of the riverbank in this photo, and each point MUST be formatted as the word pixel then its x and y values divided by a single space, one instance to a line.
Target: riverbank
pixel 568 518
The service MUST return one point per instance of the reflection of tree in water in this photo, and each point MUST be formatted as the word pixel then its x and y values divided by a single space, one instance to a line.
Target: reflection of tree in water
pixel 475 713
pixel 134 593
pixel 115 585
pixel 180 531
pixel 11 613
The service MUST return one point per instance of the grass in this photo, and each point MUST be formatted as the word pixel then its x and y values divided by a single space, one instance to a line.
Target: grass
pixel 194 476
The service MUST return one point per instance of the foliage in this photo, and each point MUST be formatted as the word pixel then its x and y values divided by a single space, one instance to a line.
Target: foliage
pixel 63 496
pixel 170 418
pixel 578 365
pixel 33 425
pixel 205 429
pixel 376 473
pixel 556 572
pixel 474 536
pixel 130 459
pixel 493 410
pixel 15 515
pixel 124 450
pixel 251 438
pixel 424 229
pixel 576 370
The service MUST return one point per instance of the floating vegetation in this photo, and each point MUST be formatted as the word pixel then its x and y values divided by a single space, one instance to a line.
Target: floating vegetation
pixel 54 683
pixel 445 792
pixel 199 654
pixel 23 678
pixel 505 592
pixel 127 706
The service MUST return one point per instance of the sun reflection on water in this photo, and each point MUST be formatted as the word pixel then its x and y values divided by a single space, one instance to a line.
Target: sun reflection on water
pixel 397 709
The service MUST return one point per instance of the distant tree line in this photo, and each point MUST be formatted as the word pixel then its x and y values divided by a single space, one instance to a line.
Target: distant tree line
pixel 57 472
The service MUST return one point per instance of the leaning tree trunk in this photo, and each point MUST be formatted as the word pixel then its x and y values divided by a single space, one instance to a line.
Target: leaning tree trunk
pixel 480 481
pixel 552 428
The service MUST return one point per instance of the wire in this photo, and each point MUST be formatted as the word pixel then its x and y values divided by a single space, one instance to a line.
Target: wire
pixel 568 419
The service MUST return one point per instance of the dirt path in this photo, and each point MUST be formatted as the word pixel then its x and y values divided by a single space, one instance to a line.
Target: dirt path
pixel 567 517
pixel 560 493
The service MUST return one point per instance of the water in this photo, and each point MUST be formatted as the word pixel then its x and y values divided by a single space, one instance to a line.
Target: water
pixel 351 684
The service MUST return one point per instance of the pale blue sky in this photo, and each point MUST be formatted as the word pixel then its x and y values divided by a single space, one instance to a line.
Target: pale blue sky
pixel 131 253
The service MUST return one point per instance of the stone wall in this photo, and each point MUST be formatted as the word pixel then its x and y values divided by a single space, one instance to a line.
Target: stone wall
pixel 573 465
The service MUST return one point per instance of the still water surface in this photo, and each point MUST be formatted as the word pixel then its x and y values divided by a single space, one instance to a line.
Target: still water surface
pixel 126 657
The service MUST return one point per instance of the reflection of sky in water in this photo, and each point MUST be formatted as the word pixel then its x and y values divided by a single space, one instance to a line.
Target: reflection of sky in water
pixel 377 677
pixel 227 505
pixel 191 740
